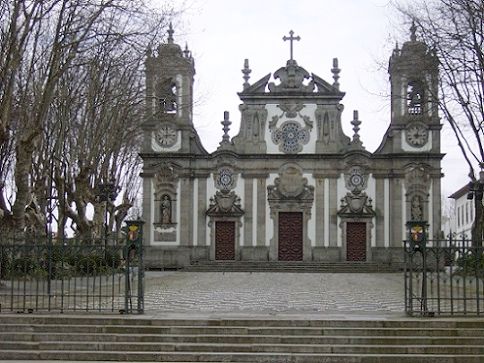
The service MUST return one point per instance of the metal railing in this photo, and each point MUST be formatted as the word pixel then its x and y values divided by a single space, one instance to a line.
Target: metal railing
pixel 71 275
pixel 444 278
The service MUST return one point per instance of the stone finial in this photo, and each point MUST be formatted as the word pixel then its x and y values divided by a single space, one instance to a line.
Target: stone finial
pixel 187 52
pixel 335 70
pixel 356 142
pixel 246 73
pixel 413 32
pixel 170 33
pixel 226 127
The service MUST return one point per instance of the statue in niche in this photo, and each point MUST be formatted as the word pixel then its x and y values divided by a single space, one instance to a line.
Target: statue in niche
pixel 165 209
pixel 416 208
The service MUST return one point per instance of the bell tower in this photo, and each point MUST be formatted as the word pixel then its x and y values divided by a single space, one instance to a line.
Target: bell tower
pixel 169 100
pixel 415 124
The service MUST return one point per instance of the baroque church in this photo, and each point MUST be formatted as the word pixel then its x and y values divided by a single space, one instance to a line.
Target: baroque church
pixel 290 186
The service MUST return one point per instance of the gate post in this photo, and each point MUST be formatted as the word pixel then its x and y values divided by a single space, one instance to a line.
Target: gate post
pixel 134 248
pixel 417 238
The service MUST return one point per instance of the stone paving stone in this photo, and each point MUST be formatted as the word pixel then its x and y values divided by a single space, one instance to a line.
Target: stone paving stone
pixel 268 292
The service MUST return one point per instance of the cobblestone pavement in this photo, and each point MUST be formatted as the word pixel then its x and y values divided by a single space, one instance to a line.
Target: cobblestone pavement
pixel 273 293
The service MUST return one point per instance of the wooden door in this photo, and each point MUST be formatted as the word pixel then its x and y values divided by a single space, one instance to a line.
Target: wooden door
pixel 224 240
pixel 290 236
pixel 355 241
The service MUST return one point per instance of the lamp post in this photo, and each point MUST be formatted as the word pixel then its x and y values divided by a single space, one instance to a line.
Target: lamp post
pixel 106 192
pixel 476 190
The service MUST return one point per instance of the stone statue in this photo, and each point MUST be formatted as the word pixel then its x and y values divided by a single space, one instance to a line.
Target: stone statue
pixel 416 208
pixel 166 210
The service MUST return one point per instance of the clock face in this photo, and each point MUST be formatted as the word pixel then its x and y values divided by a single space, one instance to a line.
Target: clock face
pixel 417 135
pixel 166 136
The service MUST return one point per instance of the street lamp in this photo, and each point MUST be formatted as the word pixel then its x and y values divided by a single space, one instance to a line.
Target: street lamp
pixel 476 190
pixel 106 192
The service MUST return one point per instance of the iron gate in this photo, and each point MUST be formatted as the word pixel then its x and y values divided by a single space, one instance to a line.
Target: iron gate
pixel 444 277
pixel 73 275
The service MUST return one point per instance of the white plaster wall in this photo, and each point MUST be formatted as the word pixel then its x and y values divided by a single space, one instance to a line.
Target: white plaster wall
pixel 254 211
pixel 404 212
pixel 371 192
pixel 240 191
pixel 461 205
pixel 341 192
pixel 269 221
pixel 431 212
pixel 312 221
pixel 386 212
pixel 308 110
pixel 195 212
pixel 326 212
pixel 210 193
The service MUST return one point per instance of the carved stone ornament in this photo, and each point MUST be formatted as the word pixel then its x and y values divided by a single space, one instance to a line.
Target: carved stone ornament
pixel 165 181
pixel 225 204
pixel 356 179
pixel 290 137
pixel 291 79
pixel 290 185
pixel 417 179
pixel 225 179
pixel 356 205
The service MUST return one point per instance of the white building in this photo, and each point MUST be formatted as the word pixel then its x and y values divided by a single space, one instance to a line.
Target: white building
pixel 463 216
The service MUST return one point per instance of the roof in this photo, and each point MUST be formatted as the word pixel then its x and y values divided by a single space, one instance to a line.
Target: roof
pixel 462 191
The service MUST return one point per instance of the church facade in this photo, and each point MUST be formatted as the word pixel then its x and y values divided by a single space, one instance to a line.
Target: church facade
pixel 290 186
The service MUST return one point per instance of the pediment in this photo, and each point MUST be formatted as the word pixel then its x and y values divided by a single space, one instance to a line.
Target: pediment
pixel 324 87
pixel 259 86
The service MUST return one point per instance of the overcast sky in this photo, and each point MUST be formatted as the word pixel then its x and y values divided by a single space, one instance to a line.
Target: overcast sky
pixel 360 33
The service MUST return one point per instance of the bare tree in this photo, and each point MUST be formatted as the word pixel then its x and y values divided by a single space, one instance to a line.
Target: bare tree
pixel 70 93
pixel 455 30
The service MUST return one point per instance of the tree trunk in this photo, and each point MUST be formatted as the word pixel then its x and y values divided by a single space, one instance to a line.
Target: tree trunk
pixel 23 165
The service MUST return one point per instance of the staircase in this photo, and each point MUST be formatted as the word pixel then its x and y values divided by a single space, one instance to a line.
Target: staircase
pixel 296 266
pixel 133 338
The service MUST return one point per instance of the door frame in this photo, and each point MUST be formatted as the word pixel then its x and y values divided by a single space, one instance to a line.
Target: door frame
pixel 212 225
pixel 302 233
pixel 369 227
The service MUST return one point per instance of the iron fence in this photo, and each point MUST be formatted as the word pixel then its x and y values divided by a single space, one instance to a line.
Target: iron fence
pixel 71 275
pixel 444 278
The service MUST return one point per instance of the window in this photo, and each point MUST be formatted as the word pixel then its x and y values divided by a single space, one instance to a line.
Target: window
pixel 415 98
pixel 458 216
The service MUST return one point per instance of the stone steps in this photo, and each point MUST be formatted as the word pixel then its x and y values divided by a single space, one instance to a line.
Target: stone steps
pixel 297 266
pixel 102 338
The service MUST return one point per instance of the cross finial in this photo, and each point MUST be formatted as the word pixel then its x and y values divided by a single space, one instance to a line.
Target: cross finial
pixel 291 38
pixel 413 32
pixel 170 33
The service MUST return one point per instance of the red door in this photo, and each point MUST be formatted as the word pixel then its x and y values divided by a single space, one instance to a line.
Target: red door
pixel 290 236
pixel 224 240
pixel 356 241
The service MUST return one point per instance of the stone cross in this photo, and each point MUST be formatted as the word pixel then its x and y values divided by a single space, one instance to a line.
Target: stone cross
pixel 291 38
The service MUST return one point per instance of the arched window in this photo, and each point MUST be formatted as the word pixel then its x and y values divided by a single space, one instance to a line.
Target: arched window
pixel 415 98
pixel 167 96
